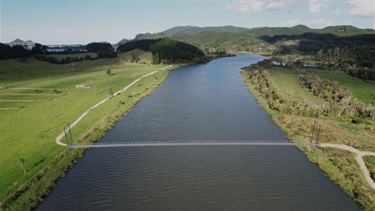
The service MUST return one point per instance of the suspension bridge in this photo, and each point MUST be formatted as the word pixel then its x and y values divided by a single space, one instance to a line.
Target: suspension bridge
pixel 314 142
pixel 191 143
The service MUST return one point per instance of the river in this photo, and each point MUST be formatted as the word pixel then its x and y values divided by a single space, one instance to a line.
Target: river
pixel 197 102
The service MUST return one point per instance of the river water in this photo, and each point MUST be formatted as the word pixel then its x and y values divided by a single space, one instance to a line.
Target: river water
pixel 198 102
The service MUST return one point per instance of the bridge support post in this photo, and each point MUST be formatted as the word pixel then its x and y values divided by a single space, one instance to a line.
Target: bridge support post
pixel 315 132
pixel 312 133
pixel 317 137
pixel 68 136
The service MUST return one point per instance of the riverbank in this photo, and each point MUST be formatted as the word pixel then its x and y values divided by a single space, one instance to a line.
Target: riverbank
pixel 39 182
pixel 296 120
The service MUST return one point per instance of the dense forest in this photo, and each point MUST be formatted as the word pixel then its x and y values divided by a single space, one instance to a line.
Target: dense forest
pixel 353 55
pixel 165 50
pixel 103 49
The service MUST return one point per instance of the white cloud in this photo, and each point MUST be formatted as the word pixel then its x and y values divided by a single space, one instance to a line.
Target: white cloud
pixel 246 6
pixel 203 1
pixel 290 23
pixel 258 5
pixel 337 11
pixel 319 23
pixel 316 6
pixel 365 8
pixel 277 5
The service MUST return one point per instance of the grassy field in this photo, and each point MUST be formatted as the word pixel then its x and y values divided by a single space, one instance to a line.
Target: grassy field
pixel 362 90
pixel 339 165
pixel 38 99
pixel 145 57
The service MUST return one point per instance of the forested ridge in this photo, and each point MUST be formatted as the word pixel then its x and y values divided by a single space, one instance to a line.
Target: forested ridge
pixel 353 55
pixel 165 50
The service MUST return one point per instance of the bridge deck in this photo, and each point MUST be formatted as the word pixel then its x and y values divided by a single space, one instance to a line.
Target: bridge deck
pixel 193 143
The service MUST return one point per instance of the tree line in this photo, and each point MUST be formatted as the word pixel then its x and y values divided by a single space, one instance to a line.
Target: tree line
pixel 19 51
pixel 102 49
pixel 39 51
pixel 165 50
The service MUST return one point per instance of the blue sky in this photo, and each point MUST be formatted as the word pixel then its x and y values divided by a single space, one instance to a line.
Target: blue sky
pixel 84 21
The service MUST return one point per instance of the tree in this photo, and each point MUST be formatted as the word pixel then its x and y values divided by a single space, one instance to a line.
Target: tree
pixel 135 57
pixel 21 161
pixel 87 57
pixel 108 71
pixel 38 49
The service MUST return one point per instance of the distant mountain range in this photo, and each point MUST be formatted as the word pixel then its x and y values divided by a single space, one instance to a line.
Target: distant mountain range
pixel 344 30
pixel 236 39
pixel 189 33
pixel 27 43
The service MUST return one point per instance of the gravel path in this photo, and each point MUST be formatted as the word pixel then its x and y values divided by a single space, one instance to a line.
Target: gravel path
pixel 359 158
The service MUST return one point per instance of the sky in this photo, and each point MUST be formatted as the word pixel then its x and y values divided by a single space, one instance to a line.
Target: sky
pixel 84 21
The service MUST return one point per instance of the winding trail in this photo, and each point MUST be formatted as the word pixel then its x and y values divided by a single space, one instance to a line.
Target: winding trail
pixel 58 138
pixel 359 158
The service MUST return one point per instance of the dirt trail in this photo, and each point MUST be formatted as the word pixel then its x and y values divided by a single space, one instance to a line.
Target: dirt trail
pixel 58 138
pixel 358 157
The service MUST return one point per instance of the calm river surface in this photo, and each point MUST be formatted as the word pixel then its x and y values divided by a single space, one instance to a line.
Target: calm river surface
pixel 198 102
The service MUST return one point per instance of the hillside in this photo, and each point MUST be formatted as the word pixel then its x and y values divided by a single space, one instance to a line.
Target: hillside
pixel 213 41
pixel 344 30
pixel 264 40
pixel 189 30
pixel 166 51
pixel 272 31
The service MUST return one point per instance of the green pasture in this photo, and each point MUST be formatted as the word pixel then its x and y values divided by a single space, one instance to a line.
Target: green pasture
pixel 287 82
pixel 362 90
pixel 38 99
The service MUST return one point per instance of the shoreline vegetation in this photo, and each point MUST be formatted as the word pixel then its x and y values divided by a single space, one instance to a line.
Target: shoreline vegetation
pixel 92 128
pixel 296 97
